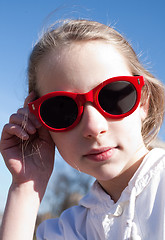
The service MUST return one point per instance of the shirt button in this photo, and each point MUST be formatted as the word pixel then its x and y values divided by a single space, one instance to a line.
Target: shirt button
pixel 119 211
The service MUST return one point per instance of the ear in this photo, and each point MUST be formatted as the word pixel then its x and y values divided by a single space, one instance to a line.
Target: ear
pixel 144 106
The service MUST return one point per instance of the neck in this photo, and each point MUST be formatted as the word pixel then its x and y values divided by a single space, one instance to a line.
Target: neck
pixel 114 187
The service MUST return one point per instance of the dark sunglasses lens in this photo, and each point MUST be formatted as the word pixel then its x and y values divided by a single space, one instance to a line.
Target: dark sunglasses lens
pixel 59 112
pixel 117 98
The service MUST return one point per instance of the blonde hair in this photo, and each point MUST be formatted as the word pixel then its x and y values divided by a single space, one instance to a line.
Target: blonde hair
pixel 84 30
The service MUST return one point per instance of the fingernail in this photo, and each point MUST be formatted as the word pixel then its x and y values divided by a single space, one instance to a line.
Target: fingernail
pixel 25 136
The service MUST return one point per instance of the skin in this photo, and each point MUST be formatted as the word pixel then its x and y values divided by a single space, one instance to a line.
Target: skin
pixel 110 150
pixel 30 172
pixel 80 68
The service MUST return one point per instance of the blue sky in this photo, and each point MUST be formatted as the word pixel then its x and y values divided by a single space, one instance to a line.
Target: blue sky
pixel 142 22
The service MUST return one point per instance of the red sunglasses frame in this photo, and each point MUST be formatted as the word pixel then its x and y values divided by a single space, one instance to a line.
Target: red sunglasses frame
pixel 91 96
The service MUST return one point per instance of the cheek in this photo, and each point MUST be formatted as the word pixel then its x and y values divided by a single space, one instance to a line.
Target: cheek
pixel 129 128
pixel 133 125
pixel 59 140
pixel 64 144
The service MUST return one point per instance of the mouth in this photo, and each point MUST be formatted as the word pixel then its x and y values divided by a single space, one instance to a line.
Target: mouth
pixel 100 155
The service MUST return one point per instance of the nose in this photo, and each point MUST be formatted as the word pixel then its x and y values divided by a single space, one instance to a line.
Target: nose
pixel 93 123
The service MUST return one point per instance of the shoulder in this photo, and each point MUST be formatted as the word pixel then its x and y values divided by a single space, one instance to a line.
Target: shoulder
pixel 67 226
pixel 74 222
pixel 151 172
pixel 153 162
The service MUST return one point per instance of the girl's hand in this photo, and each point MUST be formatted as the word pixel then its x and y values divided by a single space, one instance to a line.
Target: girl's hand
pixel 27 148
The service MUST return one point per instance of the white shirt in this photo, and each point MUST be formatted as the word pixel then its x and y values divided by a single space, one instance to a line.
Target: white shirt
pixel 139 214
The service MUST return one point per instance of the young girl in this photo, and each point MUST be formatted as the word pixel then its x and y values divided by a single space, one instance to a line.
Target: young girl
pixel 92 99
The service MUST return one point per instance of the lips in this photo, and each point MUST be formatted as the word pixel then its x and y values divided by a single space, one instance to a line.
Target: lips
pixel 99 155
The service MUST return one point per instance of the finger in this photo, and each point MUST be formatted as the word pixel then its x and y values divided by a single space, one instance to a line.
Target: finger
pixel 28 115
pixel 11 130
pixel 24 122
pixel 29 98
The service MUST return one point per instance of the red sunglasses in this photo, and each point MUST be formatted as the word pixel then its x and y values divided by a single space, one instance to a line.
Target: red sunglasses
pixel 114 98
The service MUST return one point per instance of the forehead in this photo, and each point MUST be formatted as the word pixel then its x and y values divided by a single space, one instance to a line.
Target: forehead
pixel 79 67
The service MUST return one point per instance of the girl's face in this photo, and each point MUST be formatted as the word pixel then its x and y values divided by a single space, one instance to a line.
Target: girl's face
pixel 98 146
